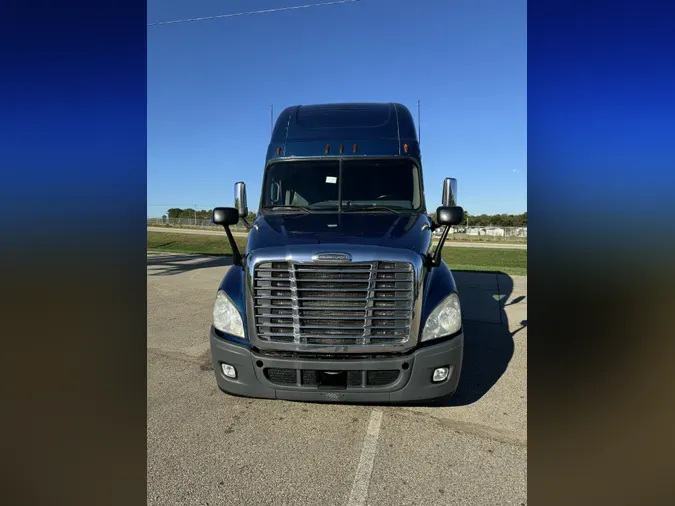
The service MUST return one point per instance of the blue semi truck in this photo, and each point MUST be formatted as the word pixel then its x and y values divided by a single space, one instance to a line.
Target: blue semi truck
pixel 340 295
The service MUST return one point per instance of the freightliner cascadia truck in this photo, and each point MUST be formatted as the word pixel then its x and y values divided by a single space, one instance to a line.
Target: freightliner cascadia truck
pixel 340 295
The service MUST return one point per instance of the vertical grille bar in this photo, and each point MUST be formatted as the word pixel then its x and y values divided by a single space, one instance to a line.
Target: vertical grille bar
pixel 370 304
pixel 294 301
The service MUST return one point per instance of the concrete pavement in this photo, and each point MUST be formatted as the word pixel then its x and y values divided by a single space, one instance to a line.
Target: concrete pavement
pixel 448 243
pixel 205 447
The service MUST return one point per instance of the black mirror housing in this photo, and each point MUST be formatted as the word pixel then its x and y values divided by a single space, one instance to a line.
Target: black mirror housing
pixel 445 215
pixel 225 216
pixel 453 215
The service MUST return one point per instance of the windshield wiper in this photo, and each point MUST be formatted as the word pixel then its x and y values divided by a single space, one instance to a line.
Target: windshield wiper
pixel 370 207
pixel 288 208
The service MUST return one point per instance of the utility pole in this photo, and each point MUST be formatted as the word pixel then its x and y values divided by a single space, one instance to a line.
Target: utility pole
pixel 195 215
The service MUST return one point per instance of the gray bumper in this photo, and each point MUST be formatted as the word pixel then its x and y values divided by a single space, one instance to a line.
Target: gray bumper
pixel 413 382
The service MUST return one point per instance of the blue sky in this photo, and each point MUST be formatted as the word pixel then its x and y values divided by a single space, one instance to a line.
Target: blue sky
pixel 211 84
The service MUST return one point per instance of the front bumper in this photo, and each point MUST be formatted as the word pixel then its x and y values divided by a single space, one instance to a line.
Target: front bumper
pixel 412 384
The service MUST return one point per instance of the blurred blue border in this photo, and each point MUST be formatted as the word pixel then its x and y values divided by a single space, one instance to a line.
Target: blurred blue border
pixel 601 110
pixel 73 135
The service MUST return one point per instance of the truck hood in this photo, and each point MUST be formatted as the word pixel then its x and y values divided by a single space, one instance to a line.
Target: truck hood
pixel 406 231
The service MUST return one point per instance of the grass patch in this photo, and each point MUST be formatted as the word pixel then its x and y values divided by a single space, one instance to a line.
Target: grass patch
pixel 192 243
pixel 508 239
pixel 510 261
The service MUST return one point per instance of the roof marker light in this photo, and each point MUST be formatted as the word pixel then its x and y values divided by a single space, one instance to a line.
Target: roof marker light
pixel 279 150
pixel 327 148
pixel 342 149
pixel 356 148
pixel 405 148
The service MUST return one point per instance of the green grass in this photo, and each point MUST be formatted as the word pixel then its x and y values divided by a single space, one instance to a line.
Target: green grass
pixel 192 243
pixel 509 239
pixel 510 261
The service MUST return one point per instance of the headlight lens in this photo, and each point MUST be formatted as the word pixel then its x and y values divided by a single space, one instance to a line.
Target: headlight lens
pixel 226 317
pixel 444 320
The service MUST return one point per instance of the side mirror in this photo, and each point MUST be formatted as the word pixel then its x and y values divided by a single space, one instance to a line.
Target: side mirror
pixel 225 216
pixel 240 198
pixel 449 192
pixel 449 215
pixel 445 215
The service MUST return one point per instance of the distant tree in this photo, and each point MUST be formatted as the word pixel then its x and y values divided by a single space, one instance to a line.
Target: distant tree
pixel 174 212
pixel 481 220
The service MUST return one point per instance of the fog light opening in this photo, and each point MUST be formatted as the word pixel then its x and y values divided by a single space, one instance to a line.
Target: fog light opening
pixel 440 374
pixel 229 370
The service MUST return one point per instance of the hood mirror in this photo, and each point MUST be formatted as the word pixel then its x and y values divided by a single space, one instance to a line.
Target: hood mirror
pixel 449 215
pixel 227 216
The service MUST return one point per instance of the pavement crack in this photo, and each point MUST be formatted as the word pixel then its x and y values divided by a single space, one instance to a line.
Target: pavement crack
pixel 177 355
pixel 474 429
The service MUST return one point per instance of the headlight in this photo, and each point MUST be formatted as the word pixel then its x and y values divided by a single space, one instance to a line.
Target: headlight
pixel 226 317
pixel 444 320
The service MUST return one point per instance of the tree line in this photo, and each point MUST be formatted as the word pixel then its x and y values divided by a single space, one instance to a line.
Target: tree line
pixel 492 220
pixel 479 220
pixel 177 212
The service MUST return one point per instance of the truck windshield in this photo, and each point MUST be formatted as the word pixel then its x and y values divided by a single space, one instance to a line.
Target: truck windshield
pixel 392 185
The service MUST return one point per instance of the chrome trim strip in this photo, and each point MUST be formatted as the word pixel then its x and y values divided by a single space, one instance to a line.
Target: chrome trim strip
pixel 319 327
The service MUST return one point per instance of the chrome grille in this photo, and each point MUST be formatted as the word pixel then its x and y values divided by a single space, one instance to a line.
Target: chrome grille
pixel 336 304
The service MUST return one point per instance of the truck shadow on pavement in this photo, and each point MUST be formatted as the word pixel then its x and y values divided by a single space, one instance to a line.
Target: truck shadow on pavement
pixel 488 336
pixel 167 264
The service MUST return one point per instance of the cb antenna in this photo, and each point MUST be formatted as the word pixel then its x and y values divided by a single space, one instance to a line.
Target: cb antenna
pixel 419 125
pixel 271 118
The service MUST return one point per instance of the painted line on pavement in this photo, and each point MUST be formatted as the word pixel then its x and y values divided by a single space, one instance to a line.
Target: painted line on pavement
pixel 365 467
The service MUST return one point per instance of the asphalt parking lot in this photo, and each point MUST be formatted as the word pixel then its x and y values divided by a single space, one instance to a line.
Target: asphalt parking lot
pixel 205 447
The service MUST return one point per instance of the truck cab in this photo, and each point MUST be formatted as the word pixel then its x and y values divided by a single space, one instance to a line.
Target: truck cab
pixel 340 295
